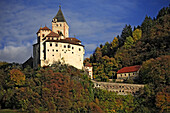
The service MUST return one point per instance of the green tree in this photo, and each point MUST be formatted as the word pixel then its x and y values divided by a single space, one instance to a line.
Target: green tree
pixel 126 32
pixel 129 42
pixel 137 34
pixel 98 54
pixel 146 26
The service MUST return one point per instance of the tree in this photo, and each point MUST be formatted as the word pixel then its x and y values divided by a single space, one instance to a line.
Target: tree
pixel 98 54
pixel 163 11
pixel 106 49
pixel 17 77
pixel 114 43
pixel 163 99
pixel 129 42
pixel 126 32
pixel 146 26
pixel 155 71
pixel 137 34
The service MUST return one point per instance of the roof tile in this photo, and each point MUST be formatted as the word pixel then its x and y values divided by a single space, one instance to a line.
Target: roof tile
pixel 52 34
pixel 129 69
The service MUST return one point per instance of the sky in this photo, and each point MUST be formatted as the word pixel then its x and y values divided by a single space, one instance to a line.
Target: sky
pixel 94 22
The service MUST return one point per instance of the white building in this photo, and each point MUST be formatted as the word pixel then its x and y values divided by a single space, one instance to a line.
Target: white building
pixel 56 45
pixel 89 69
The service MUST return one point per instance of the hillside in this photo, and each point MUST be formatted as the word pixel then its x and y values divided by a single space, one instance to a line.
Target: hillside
pixel 56 89
pixel 149 40
pixel 65 89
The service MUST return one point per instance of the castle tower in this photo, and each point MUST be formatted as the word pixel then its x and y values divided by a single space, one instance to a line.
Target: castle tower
pixel 59 24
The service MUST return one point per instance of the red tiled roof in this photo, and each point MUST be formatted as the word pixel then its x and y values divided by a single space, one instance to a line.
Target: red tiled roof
pixel 129 69
pixel 73 39
pixel 64 41
pixel 44 28
pixel 52 34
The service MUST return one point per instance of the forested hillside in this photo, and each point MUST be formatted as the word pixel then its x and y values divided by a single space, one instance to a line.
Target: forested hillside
pixel 56 89
pixel 149 40
pixel 65 89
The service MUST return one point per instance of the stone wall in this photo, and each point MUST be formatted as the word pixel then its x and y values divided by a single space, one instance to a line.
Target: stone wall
pixel 120 88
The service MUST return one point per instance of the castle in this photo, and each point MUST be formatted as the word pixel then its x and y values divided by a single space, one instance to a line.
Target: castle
pixel 56 45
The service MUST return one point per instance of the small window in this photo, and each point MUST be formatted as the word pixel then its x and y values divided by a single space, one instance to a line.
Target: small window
pixel 43 35
pixel 50 44
pixel 79 49
pixel 52 55
pixel 57 25
pixel 56 45
pixel 72 52
pixel 72 47
pixel 48 50
pixel 64 46
pixel 56 50
pixel 68 46
pixel 60 24
pixel 53 50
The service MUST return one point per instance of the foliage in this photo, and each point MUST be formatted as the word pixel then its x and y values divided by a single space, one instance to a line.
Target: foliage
pixel 129 42
pixel 156 71
pixel 137 34
pixel 63 88
pixel 17 77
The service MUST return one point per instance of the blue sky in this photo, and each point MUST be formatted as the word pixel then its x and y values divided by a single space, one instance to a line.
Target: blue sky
pixel 91 21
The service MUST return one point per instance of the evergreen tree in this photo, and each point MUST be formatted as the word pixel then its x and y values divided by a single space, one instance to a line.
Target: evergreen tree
pixel 126 32
pixel 146 26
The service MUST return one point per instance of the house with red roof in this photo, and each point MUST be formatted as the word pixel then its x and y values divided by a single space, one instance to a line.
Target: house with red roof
pixel 128 72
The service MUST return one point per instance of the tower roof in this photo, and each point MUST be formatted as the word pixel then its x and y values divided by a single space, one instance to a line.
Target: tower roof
pixel 44 28
pixel 52 34
pixel 60 16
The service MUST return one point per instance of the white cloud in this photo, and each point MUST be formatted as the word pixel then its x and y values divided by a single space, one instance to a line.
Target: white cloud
pixel 20 22
pixel 15 54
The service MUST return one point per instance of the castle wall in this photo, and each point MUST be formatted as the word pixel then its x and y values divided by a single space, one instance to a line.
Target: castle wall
pixel 36 55
pixel 64 52
pixel 120 88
